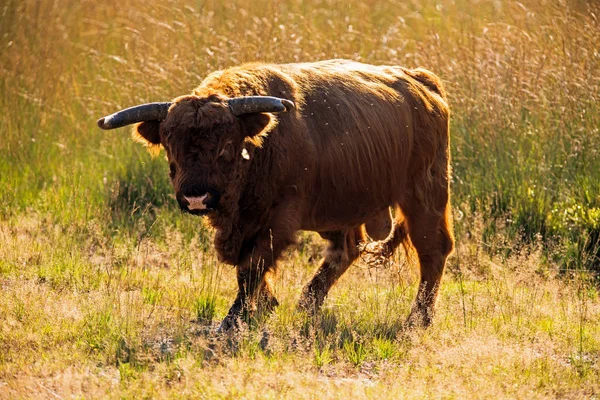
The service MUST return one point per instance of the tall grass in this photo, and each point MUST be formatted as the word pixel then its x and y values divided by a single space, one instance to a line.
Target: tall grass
pixel 104 283
pixel 523 79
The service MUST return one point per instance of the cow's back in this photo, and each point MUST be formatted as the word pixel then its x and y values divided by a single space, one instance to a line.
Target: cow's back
pixel 366 124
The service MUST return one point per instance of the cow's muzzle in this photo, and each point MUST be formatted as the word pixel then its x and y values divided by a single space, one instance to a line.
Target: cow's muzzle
pixel 198 202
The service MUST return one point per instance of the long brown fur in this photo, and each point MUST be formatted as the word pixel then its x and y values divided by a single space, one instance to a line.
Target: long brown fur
pixel 361 139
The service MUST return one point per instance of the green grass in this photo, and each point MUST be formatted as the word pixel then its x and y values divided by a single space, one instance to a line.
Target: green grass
pixel 107 290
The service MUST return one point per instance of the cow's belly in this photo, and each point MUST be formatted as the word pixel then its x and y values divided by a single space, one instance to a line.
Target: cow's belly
pixel 331 213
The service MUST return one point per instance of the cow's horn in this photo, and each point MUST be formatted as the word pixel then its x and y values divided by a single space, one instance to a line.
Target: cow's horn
pixel 259 104
pixel 143 112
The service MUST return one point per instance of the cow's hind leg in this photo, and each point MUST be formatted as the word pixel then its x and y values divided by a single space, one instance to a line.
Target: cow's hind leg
pixel 431 235
pixel 342 251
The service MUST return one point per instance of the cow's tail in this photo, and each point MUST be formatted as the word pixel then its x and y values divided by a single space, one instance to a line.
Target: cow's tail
pixel 428 79
pixel 399 235
pixel 388 235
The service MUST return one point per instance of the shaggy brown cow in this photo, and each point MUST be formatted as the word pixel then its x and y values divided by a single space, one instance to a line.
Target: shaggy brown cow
pixel 356 140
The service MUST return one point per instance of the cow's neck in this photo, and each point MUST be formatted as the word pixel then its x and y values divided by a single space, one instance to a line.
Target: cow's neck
pixel 243 210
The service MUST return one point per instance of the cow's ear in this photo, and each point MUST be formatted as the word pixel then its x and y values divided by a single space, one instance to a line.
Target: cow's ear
pixel 257 124
pixel 148 133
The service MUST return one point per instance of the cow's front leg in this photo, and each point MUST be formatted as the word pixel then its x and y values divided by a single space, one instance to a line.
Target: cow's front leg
pixel 254 292
pixel 255 273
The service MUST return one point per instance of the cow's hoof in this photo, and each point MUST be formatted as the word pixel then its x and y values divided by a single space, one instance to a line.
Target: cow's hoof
pixel 267 303
pixel 229 324
pixel 307 307
pixel 419 319
pixel 309 303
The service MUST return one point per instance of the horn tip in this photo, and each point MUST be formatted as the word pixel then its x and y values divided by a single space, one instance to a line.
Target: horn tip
pixel 106 123
pixel 101 123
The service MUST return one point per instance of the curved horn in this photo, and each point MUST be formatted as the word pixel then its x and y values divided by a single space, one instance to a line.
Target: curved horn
pixel 259 104
pixel 131 115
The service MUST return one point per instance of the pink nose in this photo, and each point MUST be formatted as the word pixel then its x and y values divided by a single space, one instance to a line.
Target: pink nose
pixel 198 202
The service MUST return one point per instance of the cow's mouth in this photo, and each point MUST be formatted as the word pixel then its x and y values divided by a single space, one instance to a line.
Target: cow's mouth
pixel 201 204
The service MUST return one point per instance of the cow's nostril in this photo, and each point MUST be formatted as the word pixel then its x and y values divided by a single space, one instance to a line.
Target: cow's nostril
pixel 213 198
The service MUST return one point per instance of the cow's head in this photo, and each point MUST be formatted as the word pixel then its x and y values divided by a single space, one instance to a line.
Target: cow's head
pixel 206 141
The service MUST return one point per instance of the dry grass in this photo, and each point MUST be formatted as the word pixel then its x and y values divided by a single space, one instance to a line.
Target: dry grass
pixel 504 328
pixel 106 290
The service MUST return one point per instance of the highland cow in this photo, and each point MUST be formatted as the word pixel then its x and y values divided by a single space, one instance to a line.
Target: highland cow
pixel 265 151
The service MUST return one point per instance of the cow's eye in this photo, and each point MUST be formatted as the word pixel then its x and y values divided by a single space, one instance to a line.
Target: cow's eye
pixel 226 152
pixel 172 170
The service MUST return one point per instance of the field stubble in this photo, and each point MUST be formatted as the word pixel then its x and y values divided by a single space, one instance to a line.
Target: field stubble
pixel 108 291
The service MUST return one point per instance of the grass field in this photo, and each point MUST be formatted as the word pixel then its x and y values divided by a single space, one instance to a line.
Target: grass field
pixel 107 290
